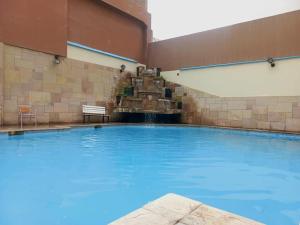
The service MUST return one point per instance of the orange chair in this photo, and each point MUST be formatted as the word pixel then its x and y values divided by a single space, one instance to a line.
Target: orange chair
pixel 26 111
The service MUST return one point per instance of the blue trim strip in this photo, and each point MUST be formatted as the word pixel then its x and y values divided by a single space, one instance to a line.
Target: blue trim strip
pixel 100 52
pixel 237 63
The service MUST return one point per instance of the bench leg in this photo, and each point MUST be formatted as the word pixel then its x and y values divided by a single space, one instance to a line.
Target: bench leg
pixel 21 121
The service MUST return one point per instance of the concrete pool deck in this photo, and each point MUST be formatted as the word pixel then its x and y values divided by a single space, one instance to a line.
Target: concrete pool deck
pixel 8 129
pixel 173 209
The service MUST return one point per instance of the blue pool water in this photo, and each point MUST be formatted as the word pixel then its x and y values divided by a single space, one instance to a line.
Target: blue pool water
pixel 93 176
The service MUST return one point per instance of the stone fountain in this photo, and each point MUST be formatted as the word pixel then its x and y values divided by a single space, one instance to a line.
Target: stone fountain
pixel 147 97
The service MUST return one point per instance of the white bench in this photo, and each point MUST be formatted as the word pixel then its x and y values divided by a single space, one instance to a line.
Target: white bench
pixel 90 110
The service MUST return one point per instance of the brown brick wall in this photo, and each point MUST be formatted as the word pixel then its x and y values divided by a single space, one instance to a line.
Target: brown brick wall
pixel 119 27
pixel 142 3
pixel 266 113
pixel 35 24
pixel 135 8
pixel 1 80
pixel 1 21
pixel 102 27
pixel 57 92
pixel 275 36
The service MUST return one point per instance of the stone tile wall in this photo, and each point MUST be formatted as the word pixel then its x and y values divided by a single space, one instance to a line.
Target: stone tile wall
pixel 56 91
pixel 266 113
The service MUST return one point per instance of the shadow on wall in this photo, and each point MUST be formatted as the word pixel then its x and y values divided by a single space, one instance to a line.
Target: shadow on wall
pixel 190 113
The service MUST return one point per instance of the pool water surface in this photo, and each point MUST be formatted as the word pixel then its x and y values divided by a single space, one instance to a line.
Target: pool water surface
pixel 93 176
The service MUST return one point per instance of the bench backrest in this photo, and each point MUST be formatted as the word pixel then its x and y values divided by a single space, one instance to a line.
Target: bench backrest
pixel 90 109
pixel 25 109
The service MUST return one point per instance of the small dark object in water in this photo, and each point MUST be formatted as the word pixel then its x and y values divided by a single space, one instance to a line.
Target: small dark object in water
pixel 97 126
pixel 16 132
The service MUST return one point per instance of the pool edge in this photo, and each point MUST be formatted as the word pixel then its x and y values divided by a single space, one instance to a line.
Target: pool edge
pixel 174 209
pixel 62 127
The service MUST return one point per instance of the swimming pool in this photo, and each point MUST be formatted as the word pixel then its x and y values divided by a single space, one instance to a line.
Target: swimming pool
pixel 92 176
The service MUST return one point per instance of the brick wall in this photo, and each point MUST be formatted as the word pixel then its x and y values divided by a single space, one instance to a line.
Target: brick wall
pixel 55 91
pixel 142 3
pixel 275 36
pixel 102 27
pixel 35 24
pixel 1 81
pixel 267 113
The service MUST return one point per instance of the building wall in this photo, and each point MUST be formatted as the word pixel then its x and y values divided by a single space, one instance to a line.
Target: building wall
pixel 269 37
pixel 57 92
pixel 35 24
pixel 1 22
pixel 135 8
pixel 119 27
pixel 247 80
pixel 1 81
pixel 101 27
pixel 100 59
pixel 227 79
pixel 142 3
pixel 265 113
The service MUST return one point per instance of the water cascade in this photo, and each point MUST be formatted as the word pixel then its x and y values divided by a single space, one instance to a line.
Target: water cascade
pixel 147 97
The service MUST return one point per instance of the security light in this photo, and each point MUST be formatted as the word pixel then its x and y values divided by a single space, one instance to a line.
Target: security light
pixel 271 61
pixel 123 67
pixel 56 59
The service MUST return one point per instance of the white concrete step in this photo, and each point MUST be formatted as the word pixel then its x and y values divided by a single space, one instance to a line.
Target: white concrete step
pixel 173 209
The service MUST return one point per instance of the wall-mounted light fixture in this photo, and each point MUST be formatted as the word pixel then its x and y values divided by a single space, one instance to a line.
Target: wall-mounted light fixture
pixel 56 59
pixel 271 61
pixel 123 67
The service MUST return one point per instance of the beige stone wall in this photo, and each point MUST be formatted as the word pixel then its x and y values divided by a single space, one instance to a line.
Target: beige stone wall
pixel 55 91
pixel 267 113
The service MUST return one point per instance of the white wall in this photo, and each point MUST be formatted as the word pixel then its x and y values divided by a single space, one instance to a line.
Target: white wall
pixel 246 80
pixel 99 59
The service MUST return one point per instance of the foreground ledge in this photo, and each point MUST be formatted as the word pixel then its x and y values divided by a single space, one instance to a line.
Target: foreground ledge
pixel 173 209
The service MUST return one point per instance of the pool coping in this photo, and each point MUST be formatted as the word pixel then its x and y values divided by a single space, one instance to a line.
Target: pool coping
pixel 61 127
pixel 173 209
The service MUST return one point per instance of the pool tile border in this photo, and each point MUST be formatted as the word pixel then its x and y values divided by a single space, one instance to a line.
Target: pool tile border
pixel 61 127
pixel 173 209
